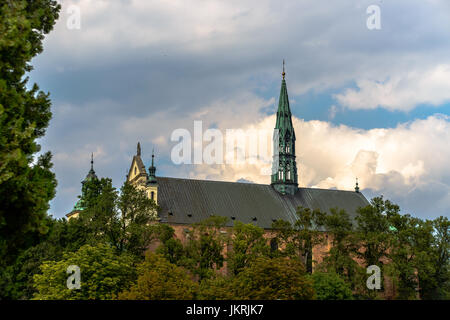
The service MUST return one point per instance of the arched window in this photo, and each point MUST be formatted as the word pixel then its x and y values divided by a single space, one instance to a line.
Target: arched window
pixel 152 195
pixel 135 170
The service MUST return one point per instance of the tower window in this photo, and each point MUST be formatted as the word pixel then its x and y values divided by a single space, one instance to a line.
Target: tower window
pixel 152 195
pixel 135 170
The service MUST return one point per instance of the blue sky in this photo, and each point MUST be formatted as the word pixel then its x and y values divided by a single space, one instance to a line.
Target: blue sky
pixel 367 103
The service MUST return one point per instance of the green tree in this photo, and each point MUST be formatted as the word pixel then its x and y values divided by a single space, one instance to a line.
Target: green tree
pixel 170 248
pixel 372 231
pixel 122 220
pixel 330 286
pixel 25 188
pixel 341 257
pixel 217 287
pixel 273 278
pixel 158 279
pixel 419 257
pixel 20 283
pixel 298 240
pixel 403 250
pixel 204 247
pixel 431 250
pixel 103 275
pixel 373 237
pixel 248 243
pixel 442 257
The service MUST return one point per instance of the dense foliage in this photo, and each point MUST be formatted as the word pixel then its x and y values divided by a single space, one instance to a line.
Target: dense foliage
pixel 160 280
pixel 26 181
pixel 103 274
pixel 108 240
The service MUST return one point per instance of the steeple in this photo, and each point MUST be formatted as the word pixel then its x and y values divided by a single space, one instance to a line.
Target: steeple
pixel 91 174
pixel 284 171
pixel 152 169
pixel 138 153
pixel 357 187
pixel 80 205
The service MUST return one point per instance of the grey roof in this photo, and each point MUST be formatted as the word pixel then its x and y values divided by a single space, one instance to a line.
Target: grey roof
pixel 186 201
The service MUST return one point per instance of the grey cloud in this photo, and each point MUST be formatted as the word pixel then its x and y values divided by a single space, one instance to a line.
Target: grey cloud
pixel 167 62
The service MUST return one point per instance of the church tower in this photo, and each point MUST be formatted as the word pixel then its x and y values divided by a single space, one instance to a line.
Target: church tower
pixel 138 177
pixel 152 183
pixel 284 171
pixel 80 205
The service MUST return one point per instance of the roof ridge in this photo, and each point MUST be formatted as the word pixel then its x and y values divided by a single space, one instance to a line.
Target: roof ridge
pixel 251 183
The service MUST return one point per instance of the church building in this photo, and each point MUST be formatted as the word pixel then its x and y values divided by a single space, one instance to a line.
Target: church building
pixel 186 201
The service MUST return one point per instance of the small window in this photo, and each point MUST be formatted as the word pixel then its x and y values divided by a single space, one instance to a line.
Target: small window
pixel 274 244
pixel 152 195
pixel 135 170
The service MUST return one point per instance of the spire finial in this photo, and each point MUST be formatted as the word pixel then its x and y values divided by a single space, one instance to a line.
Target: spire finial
pixel 92 161
pixel 283 74
pixel 152 169
pixel 138 149
pixel 357 187
pixel 153 156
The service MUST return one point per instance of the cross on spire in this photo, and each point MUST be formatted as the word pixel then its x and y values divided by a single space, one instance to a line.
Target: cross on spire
pixel 152 169
pixel 153 156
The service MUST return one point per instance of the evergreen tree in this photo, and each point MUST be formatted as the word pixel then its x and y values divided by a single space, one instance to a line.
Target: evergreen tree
pixel 26 182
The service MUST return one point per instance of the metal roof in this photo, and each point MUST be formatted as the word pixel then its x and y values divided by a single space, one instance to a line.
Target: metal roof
pixel 186 201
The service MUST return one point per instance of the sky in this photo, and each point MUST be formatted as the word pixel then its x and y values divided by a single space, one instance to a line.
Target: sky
pixel 367 103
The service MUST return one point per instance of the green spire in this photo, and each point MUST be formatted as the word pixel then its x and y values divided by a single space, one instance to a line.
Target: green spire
pixel 91 174
pixel 284 116
pixel 284 174
pixel 152 169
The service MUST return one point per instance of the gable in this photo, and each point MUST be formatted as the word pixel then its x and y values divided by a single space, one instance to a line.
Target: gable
pixel 137 169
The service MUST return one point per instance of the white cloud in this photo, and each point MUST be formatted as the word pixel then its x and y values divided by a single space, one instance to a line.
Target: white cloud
pixel 402 91
pixel 139 69
pixel 407 164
